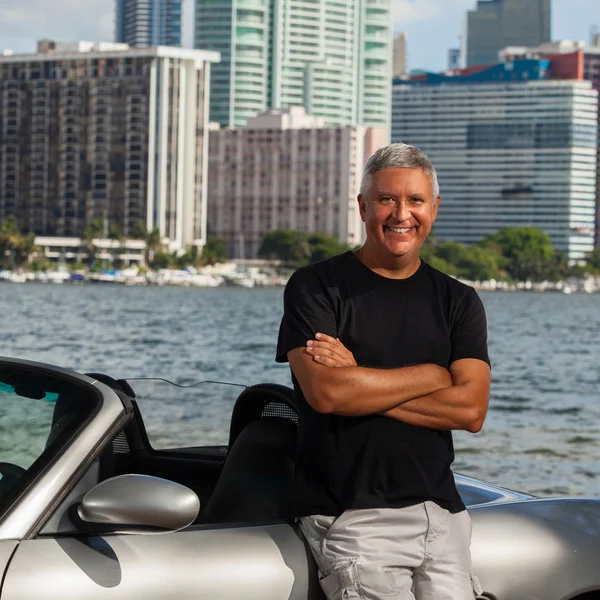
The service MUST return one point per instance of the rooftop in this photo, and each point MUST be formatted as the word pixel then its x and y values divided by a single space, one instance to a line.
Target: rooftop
pixel 50 50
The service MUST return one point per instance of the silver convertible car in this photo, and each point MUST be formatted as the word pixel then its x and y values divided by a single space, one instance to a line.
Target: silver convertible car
pixel 91 508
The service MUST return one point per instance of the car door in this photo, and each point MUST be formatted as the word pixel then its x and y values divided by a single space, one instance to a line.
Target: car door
pixel 51 421
pixel 246 563
pixel 69 559
pixel 7 548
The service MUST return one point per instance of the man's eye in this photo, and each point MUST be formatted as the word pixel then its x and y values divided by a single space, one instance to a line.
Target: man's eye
pixel 418 200
pixel 386 200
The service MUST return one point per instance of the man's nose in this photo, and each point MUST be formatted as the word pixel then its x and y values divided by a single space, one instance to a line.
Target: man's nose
pixel 401 212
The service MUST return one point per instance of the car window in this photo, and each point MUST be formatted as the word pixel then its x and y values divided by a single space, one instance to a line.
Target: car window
pixel 179 416
pixel 39 413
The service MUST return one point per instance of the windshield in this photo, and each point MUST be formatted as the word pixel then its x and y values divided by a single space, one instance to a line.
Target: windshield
pixel 188 415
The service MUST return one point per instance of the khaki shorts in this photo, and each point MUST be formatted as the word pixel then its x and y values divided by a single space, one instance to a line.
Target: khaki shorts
pixel 421 552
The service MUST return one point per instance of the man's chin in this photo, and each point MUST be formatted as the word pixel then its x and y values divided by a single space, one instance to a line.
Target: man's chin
pixel 402 252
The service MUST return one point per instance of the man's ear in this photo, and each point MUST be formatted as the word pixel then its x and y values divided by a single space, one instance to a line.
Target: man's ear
pixel 436 206
pixel 362 207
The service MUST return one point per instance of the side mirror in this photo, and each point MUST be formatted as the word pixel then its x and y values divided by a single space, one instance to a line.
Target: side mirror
pixel 134 503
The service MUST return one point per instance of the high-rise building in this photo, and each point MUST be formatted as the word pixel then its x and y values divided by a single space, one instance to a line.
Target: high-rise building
pixel 332 57
pixel 287 170
pixel 118 135
pixel 399 66
pixel 496 24
pixel 143 23
pixel 511 147
pixel 568 58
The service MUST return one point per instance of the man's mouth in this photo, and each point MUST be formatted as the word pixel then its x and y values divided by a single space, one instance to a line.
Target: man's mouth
pixel 399 229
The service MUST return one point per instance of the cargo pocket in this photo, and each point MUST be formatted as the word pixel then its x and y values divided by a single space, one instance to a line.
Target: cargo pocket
pixel 343 582
pixel 477 589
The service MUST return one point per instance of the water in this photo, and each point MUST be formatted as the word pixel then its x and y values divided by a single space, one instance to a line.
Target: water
pixel 542 434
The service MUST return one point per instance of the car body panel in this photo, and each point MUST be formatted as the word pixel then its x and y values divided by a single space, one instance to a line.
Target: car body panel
pixel 546 549
pixel 7 549
pixel 475 491
pixel 253 563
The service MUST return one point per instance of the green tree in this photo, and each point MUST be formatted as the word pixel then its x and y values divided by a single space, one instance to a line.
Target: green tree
pixel 93 231
pixel 15 247
pixel 214 251
pixel 163 260
pixel 289 246
pixel 116 233
pixel 153 240
pixel 324 246
pixel 139 231
pixel 593 260
pixel 468 262
pixel 528 251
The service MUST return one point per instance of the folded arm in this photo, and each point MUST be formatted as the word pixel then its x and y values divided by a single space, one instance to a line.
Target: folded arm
pixel 462 406
pixel 358 391
pixel 461 402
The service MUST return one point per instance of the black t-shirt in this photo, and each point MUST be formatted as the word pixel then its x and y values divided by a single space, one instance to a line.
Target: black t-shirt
pixel 374 461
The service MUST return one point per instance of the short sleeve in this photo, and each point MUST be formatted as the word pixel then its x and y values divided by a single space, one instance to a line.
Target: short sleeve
pixel 468 336
pixel 307 310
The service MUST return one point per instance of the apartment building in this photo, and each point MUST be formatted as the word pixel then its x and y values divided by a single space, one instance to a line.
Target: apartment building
pixel 334 58
pixel 287 170
pixel 116 134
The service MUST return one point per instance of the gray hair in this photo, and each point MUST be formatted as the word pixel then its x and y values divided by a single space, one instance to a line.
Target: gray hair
pixel 398 156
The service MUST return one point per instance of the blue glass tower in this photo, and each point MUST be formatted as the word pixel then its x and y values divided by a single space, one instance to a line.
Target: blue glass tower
pixel 143 23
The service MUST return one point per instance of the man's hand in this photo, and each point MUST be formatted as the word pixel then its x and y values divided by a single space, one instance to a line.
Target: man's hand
pixel 330 352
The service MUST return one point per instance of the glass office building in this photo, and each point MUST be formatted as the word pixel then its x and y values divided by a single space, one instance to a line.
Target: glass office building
pixel 496 24
pixel 332 57
pixel 143 23
pixel 511 147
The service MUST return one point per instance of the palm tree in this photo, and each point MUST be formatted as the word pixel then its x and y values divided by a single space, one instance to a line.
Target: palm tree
pixel 27 247
pixel 18 246
pixel 153 240
pixel 93 231
pixel 153 244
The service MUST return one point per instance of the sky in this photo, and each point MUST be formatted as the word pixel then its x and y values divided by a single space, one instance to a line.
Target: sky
pixel 432 26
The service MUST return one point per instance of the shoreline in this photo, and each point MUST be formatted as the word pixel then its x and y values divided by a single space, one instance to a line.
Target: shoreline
pixel 231 274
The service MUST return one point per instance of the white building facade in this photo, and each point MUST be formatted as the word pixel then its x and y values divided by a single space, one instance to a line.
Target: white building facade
pixel 107 133
pixel 287 170
pixel 507 154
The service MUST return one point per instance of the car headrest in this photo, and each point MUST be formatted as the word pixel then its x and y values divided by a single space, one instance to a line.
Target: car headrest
pixel 262 400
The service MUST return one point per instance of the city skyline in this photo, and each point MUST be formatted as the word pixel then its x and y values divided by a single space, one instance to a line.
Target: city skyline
pixel 433 26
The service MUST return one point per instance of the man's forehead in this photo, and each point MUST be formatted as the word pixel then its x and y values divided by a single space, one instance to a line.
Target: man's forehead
pixel 412 178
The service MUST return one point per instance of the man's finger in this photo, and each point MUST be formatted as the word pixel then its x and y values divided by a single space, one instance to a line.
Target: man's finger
pixel 323 337
pixel 324 345
pixel 324 360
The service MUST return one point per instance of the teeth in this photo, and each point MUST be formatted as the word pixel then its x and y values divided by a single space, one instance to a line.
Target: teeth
pixel 400 229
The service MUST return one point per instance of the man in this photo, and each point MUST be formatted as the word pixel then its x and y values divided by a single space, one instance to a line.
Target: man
pixel 388 355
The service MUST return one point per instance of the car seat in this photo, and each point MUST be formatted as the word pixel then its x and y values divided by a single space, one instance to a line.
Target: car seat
pixel 258 474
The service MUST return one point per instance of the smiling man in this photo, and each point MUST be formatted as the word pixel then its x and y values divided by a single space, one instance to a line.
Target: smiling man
pixel 388 356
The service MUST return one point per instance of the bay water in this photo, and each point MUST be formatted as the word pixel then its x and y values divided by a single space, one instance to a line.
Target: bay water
pixel 542 433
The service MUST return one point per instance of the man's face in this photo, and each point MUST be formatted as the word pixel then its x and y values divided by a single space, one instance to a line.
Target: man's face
pixel 399 212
